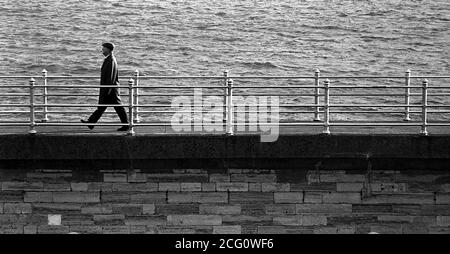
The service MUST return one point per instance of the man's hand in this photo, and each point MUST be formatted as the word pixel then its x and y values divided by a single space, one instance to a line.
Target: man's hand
pixel 109 91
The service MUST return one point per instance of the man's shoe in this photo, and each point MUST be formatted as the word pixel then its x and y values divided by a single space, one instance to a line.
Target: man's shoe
pixel 124 128
pixel 89 126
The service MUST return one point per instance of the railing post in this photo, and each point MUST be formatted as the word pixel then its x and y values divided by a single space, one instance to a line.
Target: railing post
pixel 130 106
pixel 424 107
pixel 316 95
pixel 225 95
pixel 136 96
pixel 44 76
pixel 327 107
pixel 407 94
pixel 230 107
pixel 32 116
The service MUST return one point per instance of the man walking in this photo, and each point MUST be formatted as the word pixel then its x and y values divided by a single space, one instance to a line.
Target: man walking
pixel 109 95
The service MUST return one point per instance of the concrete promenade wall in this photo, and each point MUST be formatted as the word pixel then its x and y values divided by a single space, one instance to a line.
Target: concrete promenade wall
pixel 218 184
pixel 217 151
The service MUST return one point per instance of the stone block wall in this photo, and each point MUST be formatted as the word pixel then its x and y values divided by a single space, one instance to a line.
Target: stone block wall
pixel 224 201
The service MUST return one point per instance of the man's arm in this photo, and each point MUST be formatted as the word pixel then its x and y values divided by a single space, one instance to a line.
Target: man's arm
pixel 114 73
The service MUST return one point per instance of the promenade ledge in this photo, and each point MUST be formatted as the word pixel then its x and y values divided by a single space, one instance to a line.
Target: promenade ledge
pixel 154 148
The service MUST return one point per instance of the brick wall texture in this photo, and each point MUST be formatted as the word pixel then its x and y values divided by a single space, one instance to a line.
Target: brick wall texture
pixel 224 201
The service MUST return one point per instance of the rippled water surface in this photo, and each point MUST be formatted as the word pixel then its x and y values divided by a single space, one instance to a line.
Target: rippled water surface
pixel 205 37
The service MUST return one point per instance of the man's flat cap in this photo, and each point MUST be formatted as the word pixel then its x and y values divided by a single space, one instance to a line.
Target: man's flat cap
pixel 108 45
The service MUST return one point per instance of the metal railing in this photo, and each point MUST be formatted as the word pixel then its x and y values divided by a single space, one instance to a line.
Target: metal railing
pixel 321 86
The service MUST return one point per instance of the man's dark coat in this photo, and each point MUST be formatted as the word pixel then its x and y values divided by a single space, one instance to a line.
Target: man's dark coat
pixel 109 77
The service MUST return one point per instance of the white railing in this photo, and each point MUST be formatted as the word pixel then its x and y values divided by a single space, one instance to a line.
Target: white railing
pixel 321 86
